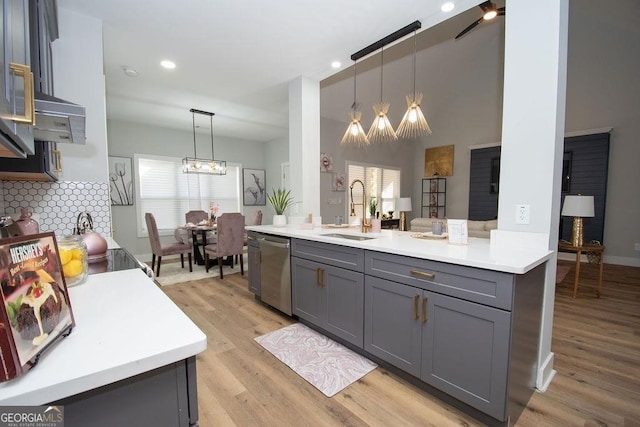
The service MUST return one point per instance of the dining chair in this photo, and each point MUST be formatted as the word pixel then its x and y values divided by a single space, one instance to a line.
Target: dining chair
pixel 256 219
pixel 160 250
pixel 195 217
pixel 230 241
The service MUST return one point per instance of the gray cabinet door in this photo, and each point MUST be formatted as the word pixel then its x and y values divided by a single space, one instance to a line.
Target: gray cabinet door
pixel 344 291
pixel 254 269
pixel 306 293
pixel 392 328
pixel 465 351
pixel 329 297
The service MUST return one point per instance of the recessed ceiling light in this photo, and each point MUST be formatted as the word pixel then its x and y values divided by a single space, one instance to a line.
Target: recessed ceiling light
pixel 447 7
pixel 170 65
pixel 335 64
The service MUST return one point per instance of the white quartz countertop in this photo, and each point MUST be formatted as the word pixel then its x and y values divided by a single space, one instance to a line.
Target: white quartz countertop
pixel 511 257
pixel 125 325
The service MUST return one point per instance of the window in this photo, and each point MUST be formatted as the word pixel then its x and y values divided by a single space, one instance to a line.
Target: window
pixel 380 182
pixel 168 193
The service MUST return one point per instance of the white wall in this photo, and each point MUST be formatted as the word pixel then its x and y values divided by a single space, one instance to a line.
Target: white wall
pixel 127 138
pixel 78 77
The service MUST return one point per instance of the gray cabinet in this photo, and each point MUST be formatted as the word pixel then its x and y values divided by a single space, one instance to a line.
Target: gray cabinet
pixel 16 81
pixel 454 326
pixel 329 297
pixel 253 250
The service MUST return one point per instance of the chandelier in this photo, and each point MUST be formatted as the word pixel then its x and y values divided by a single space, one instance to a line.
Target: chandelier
pixel 203 166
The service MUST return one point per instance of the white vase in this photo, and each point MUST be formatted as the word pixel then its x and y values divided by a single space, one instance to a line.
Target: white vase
pixel 279 221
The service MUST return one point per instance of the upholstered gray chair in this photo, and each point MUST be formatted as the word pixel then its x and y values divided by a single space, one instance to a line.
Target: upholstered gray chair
pixel 160 250
pixel 230 231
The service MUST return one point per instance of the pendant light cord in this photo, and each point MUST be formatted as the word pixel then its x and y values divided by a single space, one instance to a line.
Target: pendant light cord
pixel 414 65
pixel 213 157
pixel 353 106
pixel 381 71
pixel 193 122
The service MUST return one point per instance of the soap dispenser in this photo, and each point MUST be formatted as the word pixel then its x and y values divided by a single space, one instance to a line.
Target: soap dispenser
pixel 27 224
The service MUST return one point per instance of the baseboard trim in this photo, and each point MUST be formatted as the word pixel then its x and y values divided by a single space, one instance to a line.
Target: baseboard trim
pixel 545 373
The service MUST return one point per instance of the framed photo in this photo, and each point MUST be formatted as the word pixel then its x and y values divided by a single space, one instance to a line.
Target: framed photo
pixel 337 184
pixel 120 181
pixel 254 190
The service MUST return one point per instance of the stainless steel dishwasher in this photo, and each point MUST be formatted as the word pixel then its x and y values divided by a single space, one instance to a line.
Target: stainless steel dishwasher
pixel 275 270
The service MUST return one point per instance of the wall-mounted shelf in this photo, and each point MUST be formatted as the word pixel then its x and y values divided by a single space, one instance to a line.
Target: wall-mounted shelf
pixel 434 198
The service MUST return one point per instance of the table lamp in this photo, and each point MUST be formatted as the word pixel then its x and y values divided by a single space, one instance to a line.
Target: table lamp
pixel 403 205
pixel 578 207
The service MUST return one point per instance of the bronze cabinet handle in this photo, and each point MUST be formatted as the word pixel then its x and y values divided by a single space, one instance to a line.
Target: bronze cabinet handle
pixel 29 116
pixel 423 274
pixel 320 276
pixel 415 307
pixel 58 155
pixel 424 309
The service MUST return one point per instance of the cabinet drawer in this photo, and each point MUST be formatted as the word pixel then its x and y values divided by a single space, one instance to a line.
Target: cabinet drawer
pixel 487 287
pixel 330 254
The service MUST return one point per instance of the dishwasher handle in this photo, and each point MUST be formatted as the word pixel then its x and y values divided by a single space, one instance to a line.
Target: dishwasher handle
pixel 264 241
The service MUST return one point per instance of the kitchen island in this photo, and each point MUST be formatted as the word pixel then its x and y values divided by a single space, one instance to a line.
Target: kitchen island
pixel 461 321
pixel 130 360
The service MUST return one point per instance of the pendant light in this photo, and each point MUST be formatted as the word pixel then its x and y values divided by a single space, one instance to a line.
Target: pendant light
pixel 413 123
pixel 381 129
pixel 203 166
pixel 355 134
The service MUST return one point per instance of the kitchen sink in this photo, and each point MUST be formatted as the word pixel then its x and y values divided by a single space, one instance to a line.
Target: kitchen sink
pixel 348 236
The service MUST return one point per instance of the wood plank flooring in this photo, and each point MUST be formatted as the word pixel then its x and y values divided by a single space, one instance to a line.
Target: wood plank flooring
pixel 597 358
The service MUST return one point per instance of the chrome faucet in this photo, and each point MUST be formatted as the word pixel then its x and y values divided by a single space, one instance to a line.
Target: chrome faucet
pixel 364 224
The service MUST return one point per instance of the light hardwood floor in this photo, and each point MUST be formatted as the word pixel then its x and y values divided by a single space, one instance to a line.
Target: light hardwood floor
pixel 597 358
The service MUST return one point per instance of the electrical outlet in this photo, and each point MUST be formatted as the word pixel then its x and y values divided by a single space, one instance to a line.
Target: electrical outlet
pixel 522 214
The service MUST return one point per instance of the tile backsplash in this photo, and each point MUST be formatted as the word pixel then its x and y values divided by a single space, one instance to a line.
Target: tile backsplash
pixel 56 205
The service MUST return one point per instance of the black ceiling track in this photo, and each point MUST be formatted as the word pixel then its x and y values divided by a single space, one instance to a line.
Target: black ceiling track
pixel 206 113
pixel 385 41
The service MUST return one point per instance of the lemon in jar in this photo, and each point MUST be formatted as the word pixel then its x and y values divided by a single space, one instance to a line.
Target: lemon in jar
pixel 77 253
pixel 65 256
pixel 73 268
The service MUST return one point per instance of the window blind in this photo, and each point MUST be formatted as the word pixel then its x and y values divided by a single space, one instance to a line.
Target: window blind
pixel 168 193
pixel 380 182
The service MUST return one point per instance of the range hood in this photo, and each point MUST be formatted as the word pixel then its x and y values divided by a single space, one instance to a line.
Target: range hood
pixel 58 120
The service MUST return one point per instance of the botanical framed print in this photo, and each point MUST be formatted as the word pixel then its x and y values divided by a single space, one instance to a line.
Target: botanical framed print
pixel 254 191
pixel 337 184
pixel 120 181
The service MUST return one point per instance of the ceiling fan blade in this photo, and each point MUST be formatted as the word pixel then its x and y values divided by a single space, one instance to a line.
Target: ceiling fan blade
pixel 469 28
pixel 501 9
pixel 501 12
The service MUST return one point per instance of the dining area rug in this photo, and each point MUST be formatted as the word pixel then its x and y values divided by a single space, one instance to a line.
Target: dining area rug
pixel 324 363
pixel 171 273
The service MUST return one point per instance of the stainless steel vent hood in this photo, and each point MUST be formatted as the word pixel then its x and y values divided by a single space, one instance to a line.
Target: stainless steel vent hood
pixel 58 120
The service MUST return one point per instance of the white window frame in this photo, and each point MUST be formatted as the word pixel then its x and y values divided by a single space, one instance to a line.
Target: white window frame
pixel 388 203
pixel 193 202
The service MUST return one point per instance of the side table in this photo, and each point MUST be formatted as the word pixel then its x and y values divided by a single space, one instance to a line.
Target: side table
pixel 594 253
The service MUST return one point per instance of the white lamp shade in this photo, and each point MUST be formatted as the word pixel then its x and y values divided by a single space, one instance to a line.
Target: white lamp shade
pixel 403 204
pixel 581 206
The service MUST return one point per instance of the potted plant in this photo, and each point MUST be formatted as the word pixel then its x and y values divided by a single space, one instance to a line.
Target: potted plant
pixel 373 207
pixel 280 199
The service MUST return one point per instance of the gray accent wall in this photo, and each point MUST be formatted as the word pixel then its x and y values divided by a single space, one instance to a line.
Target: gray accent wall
pixel 462 86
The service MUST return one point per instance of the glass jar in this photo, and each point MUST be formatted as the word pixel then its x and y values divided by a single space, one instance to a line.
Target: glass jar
pixel 73 256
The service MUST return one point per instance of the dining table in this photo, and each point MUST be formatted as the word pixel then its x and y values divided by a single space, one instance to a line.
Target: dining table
pixel 199 238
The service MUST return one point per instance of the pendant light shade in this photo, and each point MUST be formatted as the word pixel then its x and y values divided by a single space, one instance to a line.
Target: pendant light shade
pixel 355 134
pixel 413 124
pixel 203 166
pixel 381 130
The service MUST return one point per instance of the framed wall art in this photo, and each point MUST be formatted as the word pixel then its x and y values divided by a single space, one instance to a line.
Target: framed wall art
pixel 254 190
pixel 438 161
pixel 337 184
pixel 120 181
pixel 326 162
